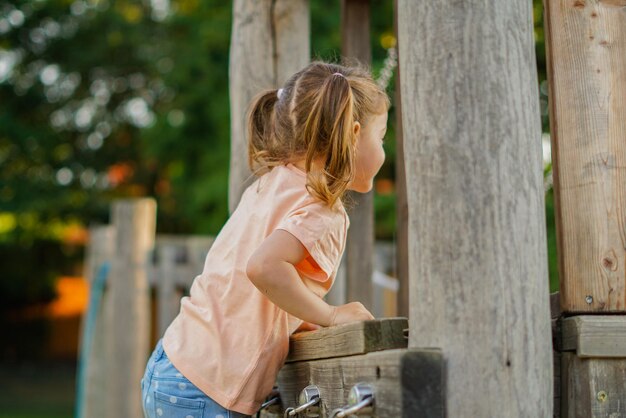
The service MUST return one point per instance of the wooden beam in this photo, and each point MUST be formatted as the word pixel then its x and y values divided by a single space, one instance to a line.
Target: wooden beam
pixel 100 250
pixel 408 382
pixel 270 41
pixel 348 339
pixel 592 388
pixel 595 335
pixel 128 341
pixel 586 52
pixel 477 238
pixel 555 314
pixel 359 253
pixel 402 207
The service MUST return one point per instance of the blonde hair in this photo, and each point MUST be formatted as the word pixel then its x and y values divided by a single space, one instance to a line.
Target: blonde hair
pixel 314 118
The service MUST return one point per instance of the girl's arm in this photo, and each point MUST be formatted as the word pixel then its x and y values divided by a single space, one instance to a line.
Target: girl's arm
pixel 271 269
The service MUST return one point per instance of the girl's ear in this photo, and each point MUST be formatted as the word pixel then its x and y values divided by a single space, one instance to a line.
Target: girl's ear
pixel 357 128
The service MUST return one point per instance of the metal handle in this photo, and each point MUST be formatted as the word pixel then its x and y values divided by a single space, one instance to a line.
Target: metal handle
pixel 361 397
pixel 348 410
pixel 309 396
pixel 270 402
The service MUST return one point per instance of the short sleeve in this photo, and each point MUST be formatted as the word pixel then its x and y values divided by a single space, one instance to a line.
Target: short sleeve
pixel 322 232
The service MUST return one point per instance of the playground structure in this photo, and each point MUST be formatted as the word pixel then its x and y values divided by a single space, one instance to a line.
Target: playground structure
pixel 476 288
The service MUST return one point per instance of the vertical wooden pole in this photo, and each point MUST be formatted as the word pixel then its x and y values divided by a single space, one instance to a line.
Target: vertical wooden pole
pixel 269 42
pixel 477 237
pixel 402 207
pixel 586 51
pixel 586 43
pixel 168 298
pixel 359 253
pixel 128 341
pixel 100 250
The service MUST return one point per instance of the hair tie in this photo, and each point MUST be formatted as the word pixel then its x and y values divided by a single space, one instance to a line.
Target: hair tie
pixel 279 93
pixel 339 74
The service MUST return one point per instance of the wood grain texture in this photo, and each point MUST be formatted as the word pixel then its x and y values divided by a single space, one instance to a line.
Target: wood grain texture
pixel 348 339
pixel 128 340
pixel 359 253
pixel 477 238
pixel 269 43
pixel 402 207
pixel 100 249
pixel 408 383
pixel 555 314
pixel 586 43
pixel 592 388
pixel 595 336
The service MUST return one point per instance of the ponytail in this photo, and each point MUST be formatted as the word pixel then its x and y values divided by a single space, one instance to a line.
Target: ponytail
pixel 261 142
pixel 329 128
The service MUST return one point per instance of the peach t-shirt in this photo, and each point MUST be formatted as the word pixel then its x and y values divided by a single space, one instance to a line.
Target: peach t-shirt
pixel 229 339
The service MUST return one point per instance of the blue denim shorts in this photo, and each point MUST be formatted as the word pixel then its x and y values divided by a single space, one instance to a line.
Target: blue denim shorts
pixel 166 393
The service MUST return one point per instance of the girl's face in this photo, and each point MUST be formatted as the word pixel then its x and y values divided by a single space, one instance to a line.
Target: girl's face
pixel 370 154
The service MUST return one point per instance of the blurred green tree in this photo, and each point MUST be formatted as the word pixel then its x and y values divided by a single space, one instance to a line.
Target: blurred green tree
pixel 103 99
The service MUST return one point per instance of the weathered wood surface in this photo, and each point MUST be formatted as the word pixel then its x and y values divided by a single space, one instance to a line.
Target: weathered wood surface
pixel 555 314
pixel 408 382
pixel 190 255
pixel 269 42
pixel 477 239
pixel 586 44
pixel 348 339
pixel 99 250
pixel 595 336
pixel 402 208
pixel 128 342
pixel 359 253
pixel 593 388
pixel 177 262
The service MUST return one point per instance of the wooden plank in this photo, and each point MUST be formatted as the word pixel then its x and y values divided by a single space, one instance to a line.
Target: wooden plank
pixel 595 335
pixel 556 358
pixel 402 208
pixel 359 252
pixel 555 313
pixel 555 305
pixel 128 341
pixel 477 238
pixel 348 339
pixel 100 250
pixel 269 43
pixel 593 388
pixel 168 296
pixel 586 54
pixel 408 382
pixel 190 256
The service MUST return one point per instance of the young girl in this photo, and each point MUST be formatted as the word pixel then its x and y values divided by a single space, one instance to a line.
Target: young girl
pixel 277 255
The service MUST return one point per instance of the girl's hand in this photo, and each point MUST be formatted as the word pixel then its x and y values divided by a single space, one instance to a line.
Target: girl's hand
pixel 350 312
pixel 307 326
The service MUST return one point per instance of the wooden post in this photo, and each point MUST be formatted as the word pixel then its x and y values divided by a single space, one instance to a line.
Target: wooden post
pixel 128 341
pixel 269 42
pixel 359 253
pixel 168 298
pixel 477 238
pixel 402 211
pixel 586 43
pixel 100 250
pixel 586 51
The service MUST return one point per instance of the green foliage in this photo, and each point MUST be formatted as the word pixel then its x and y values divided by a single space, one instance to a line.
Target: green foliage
pixel 110 99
